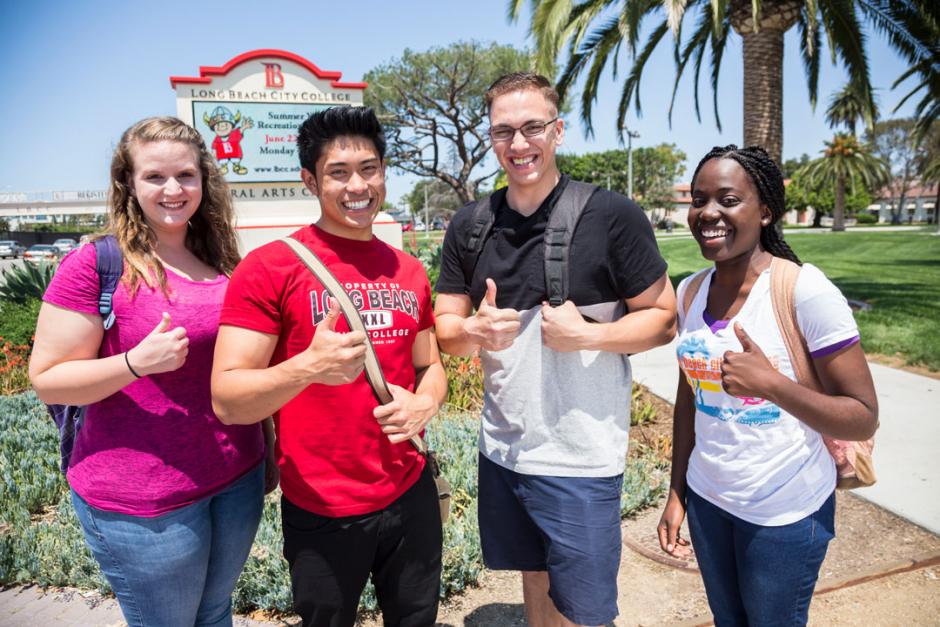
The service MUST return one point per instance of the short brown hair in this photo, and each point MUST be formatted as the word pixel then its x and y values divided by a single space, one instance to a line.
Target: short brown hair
pixel 519 81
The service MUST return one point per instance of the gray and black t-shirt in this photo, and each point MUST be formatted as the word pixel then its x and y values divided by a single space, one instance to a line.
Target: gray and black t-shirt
pixel 546 412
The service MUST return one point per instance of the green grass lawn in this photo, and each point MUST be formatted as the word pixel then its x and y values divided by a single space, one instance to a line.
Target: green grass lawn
pixel 898 274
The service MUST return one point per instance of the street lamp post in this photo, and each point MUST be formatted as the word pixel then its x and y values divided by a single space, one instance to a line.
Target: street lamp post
pixel 631 135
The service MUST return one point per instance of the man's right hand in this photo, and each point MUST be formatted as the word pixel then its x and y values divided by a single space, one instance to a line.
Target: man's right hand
pixel 336 358
pixel 491 328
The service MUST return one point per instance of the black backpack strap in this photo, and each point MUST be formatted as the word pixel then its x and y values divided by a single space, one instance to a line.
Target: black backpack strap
pixel 558 233
pixel 481 223
pixel 110 266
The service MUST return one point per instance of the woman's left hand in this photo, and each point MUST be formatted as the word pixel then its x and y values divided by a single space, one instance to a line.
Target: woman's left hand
pixel 746 374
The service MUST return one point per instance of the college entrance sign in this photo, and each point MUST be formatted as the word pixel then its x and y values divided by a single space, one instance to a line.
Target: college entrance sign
pixel 248 111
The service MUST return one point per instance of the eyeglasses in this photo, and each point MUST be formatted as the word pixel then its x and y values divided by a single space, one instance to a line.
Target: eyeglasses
pixel 529 129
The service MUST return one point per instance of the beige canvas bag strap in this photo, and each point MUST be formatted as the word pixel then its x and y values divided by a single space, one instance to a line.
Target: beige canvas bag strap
pixel 373 369
pixel 783 276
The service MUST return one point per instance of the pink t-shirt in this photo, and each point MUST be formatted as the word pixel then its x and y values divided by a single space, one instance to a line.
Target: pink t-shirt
pixel 155 445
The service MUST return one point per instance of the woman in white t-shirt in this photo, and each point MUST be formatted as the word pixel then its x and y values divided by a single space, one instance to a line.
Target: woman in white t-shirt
pixel 749 466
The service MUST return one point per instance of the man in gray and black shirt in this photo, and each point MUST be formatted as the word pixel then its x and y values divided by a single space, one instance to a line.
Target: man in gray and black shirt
pixel 557 386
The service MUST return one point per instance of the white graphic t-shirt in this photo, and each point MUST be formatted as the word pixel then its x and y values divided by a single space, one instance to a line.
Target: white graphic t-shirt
pixel 751 458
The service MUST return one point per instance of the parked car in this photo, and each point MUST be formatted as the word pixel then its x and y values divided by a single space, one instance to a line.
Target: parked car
pixel 65 244
pixel 42 252
pixel 11 248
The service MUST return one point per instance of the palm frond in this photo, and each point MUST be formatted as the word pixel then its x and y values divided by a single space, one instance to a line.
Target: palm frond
pixel 548 23
pixel 631 86
pixel 675 9
pixel 699 39
pixel 719 11
pixel 601 43
pixel 848 39
pixel 809 29
pixel 719 39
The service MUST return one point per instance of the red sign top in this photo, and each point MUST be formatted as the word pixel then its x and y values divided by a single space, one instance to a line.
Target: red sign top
pixel 207 72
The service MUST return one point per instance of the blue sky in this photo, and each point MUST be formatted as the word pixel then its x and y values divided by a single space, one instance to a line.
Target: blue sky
pixel 76 74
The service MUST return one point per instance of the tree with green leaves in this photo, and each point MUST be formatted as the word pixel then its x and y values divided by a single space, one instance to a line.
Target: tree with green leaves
pixel 845 162
pixel 790 166
pixel 655 170
pixel 927 165
pixel 896 142
pixel 431 104
pixel 595 31
pixel 803 194
pixel 440 197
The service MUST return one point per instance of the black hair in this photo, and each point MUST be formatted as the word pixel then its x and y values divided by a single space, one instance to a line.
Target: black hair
pixel 768 179
pixel 322 127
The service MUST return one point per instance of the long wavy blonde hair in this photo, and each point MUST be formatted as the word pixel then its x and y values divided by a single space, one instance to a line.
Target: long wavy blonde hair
pixel 211 232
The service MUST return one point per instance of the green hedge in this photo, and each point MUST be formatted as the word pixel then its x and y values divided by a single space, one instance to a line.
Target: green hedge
pixel 18 321
pixel 41 541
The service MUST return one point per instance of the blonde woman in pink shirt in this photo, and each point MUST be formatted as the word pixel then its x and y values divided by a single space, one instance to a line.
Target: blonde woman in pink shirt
pixel 169 498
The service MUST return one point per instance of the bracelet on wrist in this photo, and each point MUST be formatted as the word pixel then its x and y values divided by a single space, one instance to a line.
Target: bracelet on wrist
pixel 129 366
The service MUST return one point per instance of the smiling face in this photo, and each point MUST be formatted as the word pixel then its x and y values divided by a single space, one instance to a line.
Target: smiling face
pixel 167 183
pixel 350 184
pixel 223 128
pixel 727 214
pixel 529 162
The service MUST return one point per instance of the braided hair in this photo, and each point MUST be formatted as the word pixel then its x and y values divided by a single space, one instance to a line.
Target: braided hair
pixel 767 178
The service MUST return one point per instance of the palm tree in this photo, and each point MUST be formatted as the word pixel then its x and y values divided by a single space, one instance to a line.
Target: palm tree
pixel 848 105
pixel 845 160
pixel 594 32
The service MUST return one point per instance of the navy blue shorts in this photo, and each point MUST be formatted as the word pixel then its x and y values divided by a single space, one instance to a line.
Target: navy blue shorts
pixel 568 526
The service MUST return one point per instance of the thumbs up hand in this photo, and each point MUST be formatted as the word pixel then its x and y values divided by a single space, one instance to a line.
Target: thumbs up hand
pixel 747 374
pixel 336 358
pixel 492 328
pixel 163 350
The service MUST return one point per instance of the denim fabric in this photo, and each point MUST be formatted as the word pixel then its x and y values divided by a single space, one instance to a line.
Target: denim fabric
pixel 756 575
pixel 179 568
pixel 568 526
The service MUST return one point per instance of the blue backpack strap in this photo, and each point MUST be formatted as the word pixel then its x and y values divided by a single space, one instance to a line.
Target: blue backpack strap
pixel 481 223
pixel 562 222
pixel 110 266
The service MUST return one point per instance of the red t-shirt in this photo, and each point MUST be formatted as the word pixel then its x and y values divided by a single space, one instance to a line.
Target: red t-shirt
pixel 230 147
pixel 334 459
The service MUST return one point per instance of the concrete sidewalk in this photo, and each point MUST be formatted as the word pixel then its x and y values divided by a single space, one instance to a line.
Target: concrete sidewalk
pixel 907 445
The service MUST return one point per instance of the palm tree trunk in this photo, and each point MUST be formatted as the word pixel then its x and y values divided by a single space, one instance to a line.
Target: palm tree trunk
pixel 838 210
pixel 763 90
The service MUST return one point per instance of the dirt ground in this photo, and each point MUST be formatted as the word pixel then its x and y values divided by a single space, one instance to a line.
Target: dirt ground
pixel 880 570
pixel 870 543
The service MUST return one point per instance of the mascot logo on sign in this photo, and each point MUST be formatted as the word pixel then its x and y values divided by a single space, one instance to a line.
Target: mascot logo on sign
pixel 228 138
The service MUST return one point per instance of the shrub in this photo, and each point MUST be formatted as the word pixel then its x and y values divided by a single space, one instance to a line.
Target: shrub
pixel 641 410
pixel 41 540
pixel 866 218
pixel 464 382
pixel 18 321
pixel 17 325
pixel 24 281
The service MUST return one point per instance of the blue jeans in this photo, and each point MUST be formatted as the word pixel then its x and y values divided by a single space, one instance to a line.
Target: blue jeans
pixel 179 568
pixel 756 575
